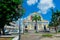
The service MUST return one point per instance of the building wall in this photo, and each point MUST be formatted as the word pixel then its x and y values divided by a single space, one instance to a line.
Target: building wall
pixel 40 24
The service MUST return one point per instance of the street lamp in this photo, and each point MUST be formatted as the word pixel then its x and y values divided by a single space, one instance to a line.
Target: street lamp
pixel 20 28
pixel 21 25
pixel 19 7
pixel 19 31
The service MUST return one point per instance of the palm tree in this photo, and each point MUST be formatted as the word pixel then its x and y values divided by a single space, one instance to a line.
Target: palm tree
pixel 36 18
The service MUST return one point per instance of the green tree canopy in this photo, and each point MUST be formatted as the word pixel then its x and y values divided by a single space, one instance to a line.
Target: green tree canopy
pixel 36 17
pixel 55 20
pixel 10 10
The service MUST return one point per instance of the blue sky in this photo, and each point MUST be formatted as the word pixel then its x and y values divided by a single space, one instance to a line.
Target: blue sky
pixel 41 6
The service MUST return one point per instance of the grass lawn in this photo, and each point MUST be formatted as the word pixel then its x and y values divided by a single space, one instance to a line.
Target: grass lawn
pixel 47 35
pixel 6 38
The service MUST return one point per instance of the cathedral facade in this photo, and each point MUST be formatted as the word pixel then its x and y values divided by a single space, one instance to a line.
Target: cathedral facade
pixel 31 24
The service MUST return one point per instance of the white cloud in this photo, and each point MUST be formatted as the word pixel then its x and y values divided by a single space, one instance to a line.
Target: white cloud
pixel 44 5
pixel 31 2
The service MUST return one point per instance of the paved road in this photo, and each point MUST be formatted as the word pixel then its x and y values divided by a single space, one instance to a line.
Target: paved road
pixel 30 37
pixel 37 36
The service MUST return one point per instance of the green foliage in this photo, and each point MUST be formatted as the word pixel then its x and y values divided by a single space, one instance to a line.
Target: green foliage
pixel 54 20
pixel 17 1
pixel 8 12
pixel 36 18
pixel 47 35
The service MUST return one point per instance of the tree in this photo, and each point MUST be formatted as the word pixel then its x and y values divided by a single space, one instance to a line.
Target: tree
pixel 54 20
pixel 36 18
pixel 10 10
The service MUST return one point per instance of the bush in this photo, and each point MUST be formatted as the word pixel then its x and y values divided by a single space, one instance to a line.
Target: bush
pixel 47 35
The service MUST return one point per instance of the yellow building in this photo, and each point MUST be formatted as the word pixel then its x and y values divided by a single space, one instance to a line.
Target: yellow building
pixel 40 24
